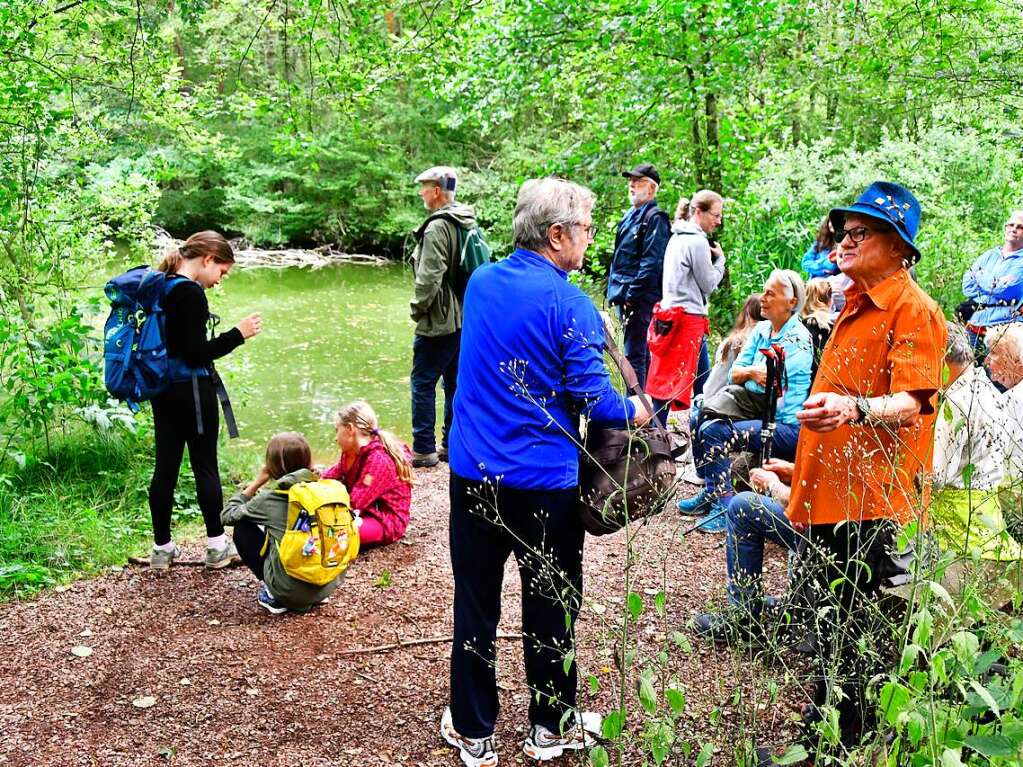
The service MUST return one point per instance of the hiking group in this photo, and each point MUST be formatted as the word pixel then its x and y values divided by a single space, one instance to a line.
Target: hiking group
pixel 848 369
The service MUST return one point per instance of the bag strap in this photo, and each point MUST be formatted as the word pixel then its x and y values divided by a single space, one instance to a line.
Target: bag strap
pixel 628 372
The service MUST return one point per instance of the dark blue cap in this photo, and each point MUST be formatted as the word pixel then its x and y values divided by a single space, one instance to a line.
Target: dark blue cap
pixel 886 202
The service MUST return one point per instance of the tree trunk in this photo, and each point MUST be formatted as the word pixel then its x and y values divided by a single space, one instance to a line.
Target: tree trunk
pixel 713 150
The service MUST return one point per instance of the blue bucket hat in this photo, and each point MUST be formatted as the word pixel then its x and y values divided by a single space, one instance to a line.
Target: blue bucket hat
pixel 886 202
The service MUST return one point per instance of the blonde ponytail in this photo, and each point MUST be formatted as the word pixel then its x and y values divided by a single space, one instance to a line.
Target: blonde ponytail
pixel 171 261
pixel 360 415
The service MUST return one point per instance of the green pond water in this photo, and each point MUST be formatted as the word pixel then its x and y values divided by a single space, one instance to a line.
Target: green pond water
pixel 329 336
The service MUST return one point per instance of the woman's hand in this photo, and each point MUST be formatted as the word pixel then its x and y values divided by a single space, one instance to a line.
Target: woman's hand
pixel 716 250
pixel 251 325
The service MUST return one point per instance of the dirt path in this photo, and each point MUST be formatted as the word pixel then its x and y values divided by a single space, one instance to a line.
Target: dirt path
pixel 231 684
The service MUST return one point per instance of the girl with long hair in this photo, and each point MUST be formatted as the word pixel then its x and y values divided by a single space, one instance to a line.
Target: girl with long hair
pixel 376 468
pixel 186 414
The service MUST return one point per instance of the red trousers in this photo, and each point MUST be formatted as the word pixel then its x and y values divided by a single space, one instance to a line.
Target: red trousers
pixel 674 338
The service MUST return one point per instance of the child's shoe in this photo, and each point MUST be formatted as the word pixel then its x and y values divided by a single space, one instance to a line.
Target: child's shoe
pixel 217 559
pixel 268 603
pixel 159 559
pixel 474 752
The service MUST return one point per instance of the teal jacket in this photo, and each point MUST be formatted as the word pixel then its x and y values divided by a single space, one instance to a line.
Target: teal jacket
pixel 270 509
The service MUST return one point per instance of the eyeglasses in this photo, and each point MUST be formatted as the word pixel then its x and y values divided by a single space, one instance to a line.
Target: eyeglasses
pixel 591 230
pixel 856 234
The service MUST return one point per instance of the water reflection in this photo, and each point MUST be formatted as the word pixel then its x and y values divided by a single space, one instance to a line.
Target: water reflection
pixel 329 336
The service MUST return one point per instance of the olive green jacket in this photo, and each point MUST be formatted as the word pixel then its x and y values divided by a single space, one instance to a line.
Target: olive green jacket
pixel 435 308
pixel 270 509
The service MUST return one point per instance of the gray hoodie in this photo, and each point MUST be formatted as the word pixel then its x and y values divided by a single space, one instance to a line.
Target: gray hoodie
pixel 691 272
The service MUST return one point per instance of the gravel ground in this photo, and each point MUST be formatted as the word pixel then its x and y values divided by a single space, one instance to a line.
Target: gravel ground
pixel 221 682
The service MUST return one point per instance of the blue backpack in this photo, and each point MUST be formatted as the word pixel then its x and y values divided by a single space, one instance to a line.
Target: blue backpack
pixel 136 367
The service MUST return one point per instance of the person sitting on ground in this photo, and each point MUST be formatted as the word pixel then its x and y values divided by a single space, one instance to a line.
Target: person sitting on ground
pixel 719 433
pixel 376 468
pixel 752 519
pixel 817 317
pixel 288 462
pixel 818 261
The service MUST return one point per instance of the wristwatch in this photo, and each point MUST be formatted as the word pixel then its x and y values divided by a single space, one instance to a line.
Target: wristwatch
pixel 862 410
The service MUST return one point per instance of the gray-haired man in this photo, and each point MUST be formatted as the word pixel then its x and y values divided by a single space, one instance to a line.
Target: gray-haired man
pixel 436 309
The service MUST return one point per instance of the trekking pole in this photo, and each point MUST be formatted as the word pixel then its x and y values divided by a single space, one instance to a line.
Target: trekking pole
pixel 775 386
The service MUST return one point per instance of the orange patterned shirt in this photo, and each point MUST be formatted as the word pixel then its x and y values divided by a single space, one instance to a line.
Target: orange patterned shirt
pixel 888 339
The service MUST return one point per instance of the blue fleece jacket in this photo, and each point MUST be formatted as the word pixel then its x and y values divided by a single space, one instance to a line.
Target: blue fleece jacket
pixel 531 361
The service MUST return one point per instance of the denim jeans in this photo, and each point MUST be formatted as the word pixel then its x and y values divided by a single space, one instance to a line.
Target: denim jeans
pixel 716 438
pixel 702 369
pixel 751 520
pixel 434 358
pixel 635 322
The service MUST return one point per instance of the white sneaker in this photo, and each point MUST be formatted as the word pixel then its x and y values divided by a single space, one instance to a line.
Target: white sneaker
pixel 542 744
pixel 475 752
pixel 689 475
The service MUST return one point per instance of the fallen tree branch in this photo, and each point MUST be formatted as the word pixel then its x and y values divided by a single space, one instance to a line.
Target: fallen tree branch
pixel 415 642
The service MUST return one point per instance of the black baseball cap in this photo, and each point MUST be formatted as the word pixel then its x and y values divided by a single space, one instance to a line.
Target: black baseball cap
pixel 644 170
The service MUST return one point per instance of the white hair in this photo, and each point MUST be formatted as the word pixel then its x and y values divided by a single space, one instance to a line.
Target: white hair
pixel 958 350
pixel 1013 332
pixel 793 285
pixel 544 202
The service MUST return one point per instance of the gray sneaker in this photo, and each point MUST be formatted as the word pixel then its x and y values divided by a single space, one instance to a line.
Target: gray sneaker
pixel 217 559
pixel 161 560
pixel 424 460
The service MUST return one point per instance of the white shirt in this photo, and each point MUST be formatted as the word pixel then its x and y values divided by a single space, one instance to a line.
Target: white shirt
pixel 1012 409
pixel 972 429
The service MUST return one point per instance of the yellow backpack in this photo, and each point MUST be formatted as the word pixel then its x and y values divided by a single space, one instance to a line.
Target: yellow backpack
pixel 321 538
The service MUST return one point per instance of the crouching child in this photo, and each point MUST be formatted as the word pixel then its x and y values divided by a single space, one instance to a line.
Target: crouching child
pixel 278 532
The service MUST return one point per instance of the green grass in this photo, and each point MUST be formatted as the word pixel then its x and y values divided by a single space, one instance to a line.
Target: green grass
pixel 82 509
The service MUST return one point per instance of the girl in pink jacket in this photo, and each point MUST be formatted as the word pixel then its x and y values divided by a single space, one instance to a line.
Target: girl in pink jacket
pixel 376 468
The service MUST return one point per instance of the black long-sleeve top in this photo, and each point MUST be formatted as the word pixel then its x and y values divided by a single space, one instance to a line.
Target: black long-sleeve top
pixel 187 316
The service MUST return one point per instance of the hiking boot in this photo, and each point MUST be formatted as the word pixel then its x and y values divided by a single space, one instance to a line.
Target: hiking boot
pixel 442 454
pixel 161 560
pixel 424 460
pixel 696 506
pixel 268 603
pixel 542 744
pixel 217 559
pixel 720 628
pixel 474 752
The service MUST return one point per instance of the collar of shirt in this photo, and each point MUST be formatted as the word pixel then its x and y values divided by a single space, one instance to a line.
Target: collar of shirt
pixel 532 257
pixel 882 294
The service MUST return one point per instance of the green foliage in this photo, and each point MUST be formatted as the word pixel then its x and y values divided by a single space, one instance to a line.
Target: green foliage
pixel 81 510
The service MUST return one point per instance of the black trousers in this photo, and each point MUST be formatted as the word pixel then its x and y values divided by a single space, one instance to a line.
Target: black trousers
pixel 542 529
pixel 847 564
pixel 249 540
pixel 174 422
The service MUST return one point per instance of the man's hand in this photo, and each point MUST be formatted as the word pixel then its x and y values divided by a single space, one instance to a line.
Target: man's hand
pixel 642 413
pixel 783 469
pixel 827 411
